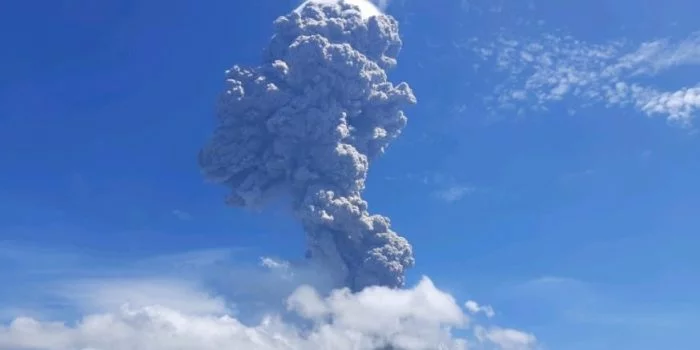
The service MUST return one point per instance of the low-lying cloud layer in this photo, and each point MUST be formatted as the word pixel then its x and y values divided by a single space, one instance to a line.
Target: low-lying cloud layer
pixel 418 318
pixel 157 308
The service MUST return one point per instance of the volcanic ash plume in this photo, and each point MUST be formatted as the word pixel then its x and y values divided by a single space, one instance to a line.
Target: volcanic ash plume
pixel 307 123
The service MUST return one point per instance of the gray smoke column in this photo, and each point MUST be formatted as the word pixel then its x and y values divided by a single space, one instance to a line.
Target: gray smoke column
pixel 307 123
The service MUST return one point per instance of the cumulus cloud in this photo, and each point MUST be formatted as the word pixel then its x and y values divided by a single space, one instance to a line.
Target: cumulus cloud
pixel 204 300
pixel 412 319
pixel 421 317
pixel 306 124
pixel 680 105
pixel 543 70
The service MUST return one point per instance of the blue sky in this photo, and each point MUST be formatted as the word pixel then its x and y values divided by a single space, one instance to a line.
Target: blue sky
pixel 549 169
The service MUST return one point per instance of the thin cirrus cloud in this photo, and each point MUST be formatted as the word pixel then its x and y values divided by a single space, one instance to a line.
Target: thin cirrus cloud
pixel 543 70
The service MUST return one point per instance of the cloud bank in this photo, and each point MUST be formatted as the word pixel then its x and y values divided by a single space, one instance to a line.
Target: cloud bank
pixel 418 318
pixel 306 125
pixel 159 308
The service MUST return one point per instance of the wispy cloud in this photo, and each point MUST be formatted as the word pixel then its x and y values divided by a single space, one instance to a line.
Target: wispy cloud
pixel 48 281
pixel 474 308
pixel 106 294
pixel 546 285
pixel 506 339
pixel 543 70
pixel 657 56
pixel 275 264
pixel 197 259
pixel 454 193
pixel 443 186
pixel 182 215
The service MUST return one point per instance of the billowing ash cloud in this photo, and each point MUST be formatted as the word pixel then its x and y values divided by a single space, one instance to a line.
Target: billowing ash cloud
pixel 307 123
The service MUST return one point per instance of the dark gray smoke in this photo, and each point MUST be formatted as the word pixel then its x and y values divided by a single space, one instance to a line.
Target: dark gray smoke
pixel 308 122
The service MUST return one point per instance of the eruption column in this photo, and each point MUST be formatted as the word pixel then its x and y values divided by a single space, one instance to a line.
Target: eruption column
pixel 307 123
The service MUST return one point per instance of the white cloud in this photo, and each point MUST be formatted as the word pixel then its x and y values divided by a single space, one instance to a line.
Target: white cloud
pixel 272 263
pixel 422 317
pixel 165 303
pixel 506 339
pixel 547 69
pixel 474 308
pixel 656 56
pixel 680 106
pixel 454 193
pixel 367 8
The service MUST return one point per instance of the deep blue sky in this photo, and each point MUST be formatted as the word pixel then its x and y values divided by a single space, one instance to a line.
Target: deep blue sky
pixel 581 228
